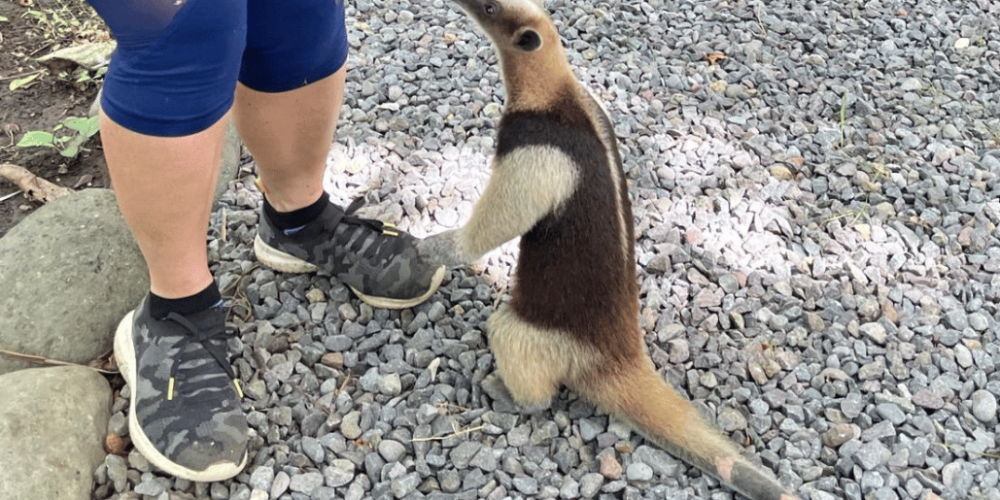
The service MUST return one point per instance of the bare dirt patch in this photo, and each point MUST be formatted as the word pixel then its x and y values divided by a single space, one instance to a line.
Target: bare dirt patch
pixel 30 29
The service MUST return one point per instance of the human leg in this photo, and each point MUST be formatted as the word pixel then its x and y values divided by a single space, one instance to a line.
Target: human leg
pixel 289 134
pixel 164 187
pixel 164 112
pixel 286 109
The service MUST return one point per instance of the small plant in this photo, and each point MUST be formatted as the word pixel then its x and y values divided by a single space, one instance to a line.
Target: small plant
pixel 878 170
pixel 68 137
pixel 855 214
pixel 82 78
pixel 27 79
pixel 65 19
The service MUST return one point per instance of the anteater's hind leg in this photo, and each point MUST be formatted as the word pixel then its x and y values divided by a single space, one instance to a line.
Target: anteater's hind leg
pixel 533 362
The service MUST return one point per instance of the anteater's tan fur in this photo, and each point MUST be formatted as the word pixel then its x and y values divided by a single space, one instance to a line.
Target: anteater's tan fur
pixel 573 319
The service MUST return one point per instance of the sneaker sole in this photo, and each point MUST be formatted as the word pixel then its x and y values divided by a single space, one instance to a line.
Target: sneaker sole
pixel 287 263
pixel 125 355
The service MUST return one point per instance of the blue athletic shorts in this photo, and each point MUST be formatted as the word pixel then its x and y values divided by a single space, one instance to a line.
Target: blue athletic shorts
pixel 177 62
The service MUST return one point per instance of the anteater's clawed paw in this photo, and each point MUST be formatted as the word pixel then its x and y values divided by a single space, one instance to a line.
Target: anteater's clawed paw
pixel 442 248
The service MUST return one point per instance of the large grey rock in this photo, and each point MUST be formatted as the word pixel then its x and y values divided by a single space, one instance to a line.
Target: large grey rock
pixel 70 271
pixel 52 426
pixel 229 166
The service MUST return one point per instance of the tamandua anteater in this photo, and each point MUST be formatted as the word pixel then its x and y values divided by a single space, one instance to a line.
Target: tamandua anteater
pixel 558 182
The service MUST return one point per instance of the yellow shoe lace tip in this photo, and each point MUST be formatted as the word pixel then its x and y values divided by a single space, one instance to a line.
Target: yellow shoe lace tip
pixel 239 390
pixel 390 233
pixel 170 389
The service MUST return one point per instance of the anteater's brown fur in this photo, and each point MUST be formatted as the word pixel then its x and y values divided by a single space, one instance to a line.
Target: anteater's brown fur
pixel 558 183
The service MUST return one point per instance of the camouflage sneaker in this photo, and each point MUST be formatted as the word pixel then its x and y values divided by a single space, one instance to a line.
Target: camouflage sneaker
pixel 377 260
pixel 185 414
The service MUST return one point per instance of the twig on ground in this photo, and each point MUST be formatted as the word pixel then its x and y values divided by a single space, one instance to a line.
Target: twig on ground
pixel 458 432
pixel 35 187
pixel 41 360
pixel 11 195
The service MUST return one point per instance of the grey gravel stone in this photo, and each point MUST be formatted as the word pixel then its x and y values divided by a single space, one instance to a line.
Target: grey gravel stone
pixel 816 250
pixel 875 331
pixel 839 434
pixel 390 384
pixel 730 419
pixel 979 321
pixel 405 485
pixel 590 484
pixel 929 399
pixel 872 454
pixel 313 449
pixel 526 485
pixel 660 461
pixel 261 478
pixel 391 451
pixel 891 413
pixel 305 483
pixel 449 480
pixel 462 454
pixel 639 471
pixel 339 473
pixel 852 405
pixel 350 427
pixel 280 484
pixel 984 406
pixel 149 487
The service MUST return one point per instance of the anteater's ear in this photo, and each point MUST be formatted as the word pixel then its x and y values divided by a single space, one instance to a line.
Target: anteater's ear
pixel 528 40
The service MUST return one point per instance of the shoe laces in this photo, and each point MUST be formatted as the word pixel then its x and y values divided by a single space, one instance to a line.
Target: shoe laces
pixel 381 247
pixel 208 341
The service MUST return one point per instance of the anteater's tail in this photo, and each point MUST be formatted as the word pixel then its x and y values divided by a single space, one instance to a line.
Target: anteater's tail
pixel 639 396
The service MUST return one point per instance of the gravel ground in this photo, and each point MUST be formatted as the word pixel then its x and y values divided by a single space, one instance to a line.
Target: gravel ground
pixel 815 191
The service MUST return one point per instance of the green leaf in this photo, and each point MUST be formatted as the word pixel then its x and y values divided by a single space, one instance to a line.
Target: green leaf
pixel 70 151
pixel 72 147
pixel 3 19
pixel 35 138
pixel 86 127
pixel 21 82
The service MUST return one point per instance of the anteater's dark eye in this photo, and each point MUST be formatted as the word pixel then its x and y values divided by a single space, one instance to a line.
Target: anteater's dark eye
pixel 491 8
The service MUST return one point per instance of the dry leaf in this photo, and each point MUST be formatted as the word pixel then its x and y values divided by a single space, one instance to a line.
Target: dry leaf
pixel 10 129
pixel 114 444
pixel 87 55
pixel 715 57
pixel 83 181
pixel 105 364
pixel 34 187
pixel 864 230
pixel 781 172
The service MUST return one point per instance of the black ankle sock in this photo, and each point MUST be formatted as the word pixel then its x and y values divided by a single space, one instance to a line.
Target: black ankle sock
pixel 160 307
pixel 296 218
